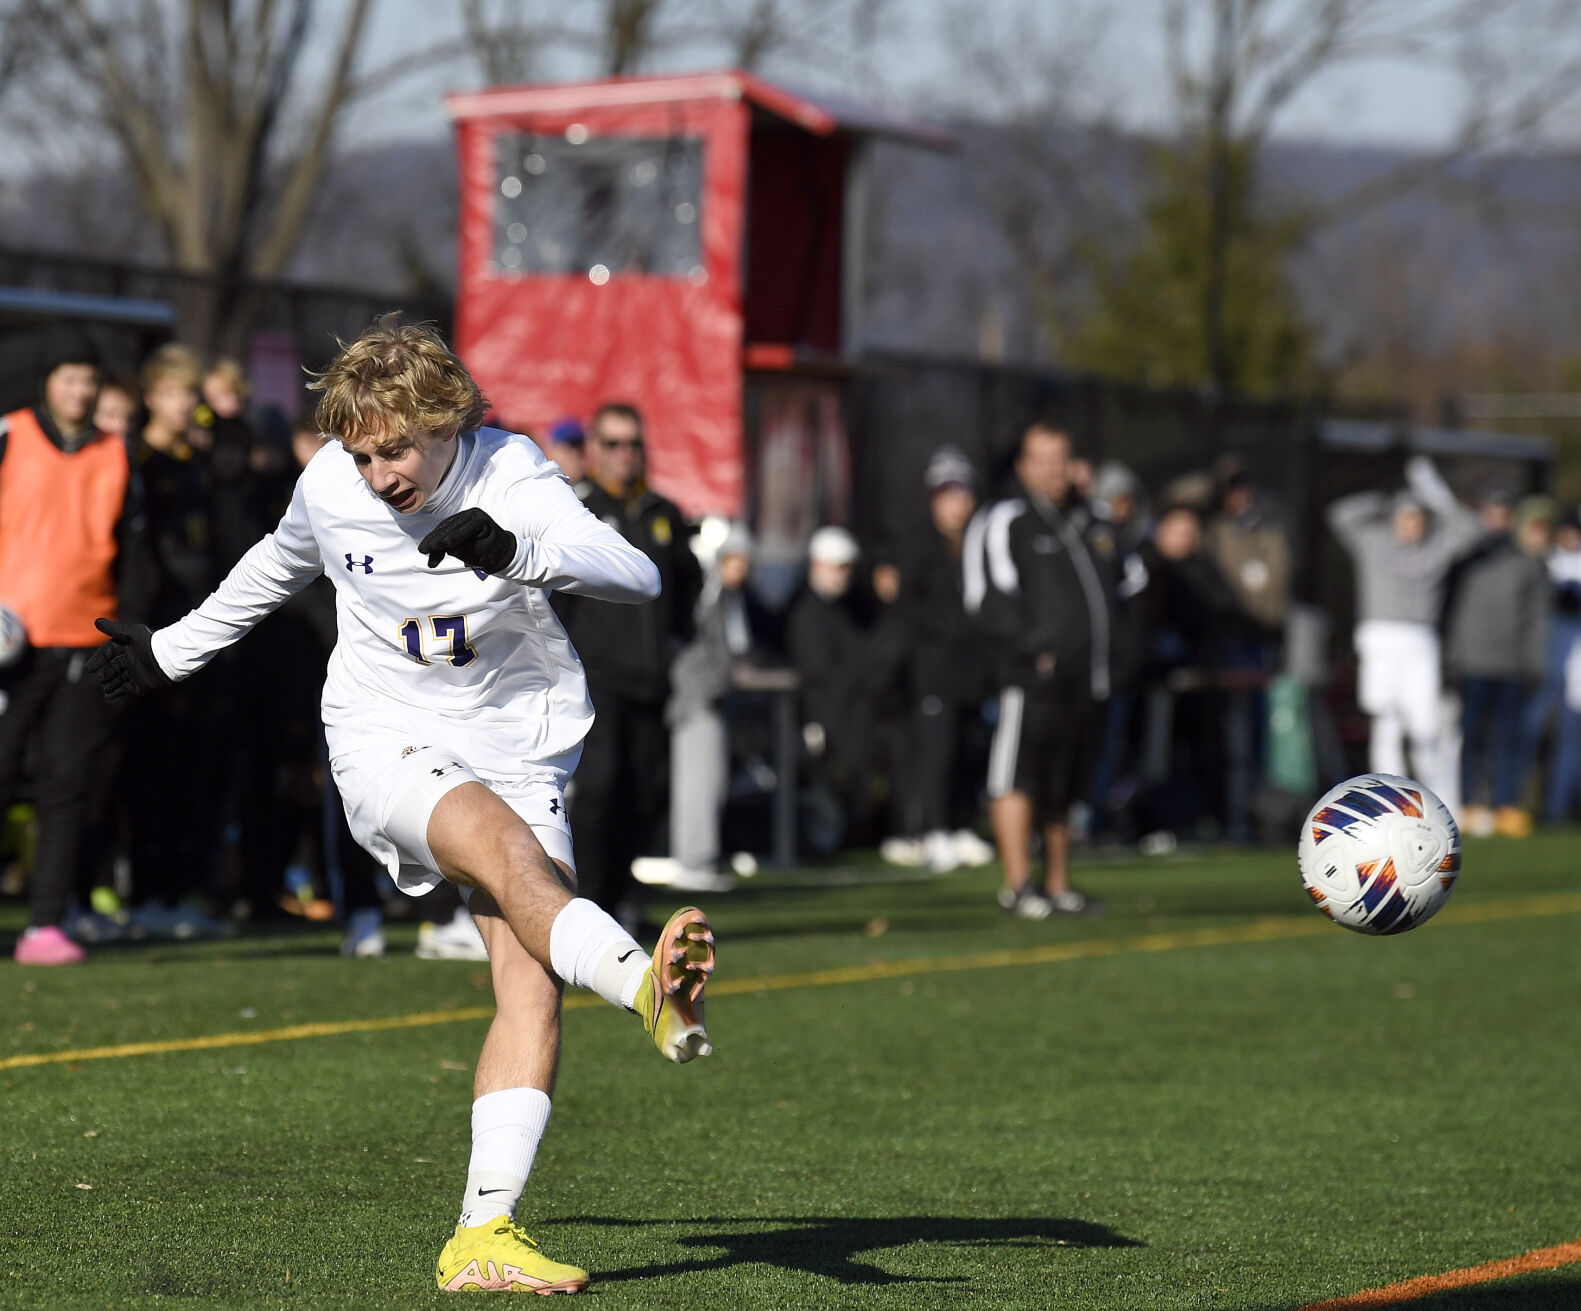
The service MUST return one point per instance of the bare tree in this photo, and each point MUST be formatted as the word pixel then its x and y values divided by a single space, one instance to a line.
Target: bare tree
pixel 1066 187
pixel 515 40
pixel 630 32
pixel 756 33
pixel 506 39
pixel 1030 90
pixel 16 42
pixel 1237 65
pixel 203 101
pixel 510 40
pixel 834 38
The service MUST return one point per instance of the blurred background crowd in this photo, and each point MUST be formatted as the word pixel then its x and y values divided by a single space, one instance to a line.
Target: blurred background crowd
pixel 889 699
pixel 1057 426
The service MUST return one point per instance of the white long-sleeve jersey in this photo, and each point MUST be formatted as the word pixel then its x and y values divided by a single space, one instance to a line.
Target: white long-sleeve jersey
pixel 449 655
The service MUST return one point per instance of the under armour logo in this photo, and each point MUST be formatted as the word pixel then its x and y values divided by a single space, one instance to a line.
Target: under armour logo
pixel 446 769
pixel 365 564
pixel 554 806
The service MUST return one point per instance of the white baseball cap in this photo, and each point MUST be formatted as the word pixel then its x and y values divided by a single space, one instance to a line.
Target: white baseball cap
pixel 831 545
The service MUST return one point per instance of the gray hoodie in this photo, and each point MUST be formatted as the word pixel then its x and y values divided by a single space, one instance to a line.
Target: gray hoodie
pixel 1394 580
pixel 1497 621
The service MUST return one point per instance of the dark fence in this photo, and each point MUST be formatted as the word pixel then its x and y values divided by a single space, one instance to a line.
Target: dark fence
pixel 313 316
pixel 900 409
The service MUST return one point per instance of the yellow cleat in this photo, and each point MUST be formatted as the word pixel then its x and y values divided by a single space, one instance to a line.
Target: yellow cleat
pixel 670 1000
pixel 498 1257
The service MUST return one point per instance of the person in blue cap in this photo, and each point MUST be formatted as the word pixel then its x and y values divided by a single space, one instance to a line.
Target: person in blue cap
pixel 567 447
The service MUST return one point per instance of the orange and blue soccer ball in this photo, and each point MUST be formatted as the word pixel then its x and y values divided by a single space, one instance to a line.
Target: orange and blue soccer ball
pixel 13 636
pixel 1379 854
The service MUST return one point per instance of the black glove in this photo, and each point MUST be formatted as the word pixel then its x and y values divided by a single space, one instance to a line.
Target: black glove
pixel 125 665
pixel 474 539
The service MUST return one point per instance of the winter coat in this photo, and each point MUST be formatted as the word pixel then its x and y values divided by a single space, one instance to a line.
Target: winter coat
pixel 1253 553
pixel 627 649
pixel 1042 581
pixel 948 657
pixel 1496 614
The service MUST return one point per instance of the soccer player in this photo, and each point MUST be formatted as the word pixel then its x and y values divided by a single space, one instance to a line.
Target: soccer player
pixel 454 710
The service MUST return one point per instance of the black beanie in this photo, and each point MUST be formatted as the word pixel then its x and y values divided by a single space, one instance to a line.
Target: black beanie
pixel 65 345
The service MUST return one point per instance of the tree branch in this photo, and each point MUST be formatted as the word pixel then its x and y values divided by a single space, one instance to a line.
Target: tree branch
pixel 286 221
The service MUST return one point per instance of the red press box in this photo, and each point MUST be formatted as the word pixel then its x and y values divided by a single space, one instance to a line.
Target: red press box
pixel 660 240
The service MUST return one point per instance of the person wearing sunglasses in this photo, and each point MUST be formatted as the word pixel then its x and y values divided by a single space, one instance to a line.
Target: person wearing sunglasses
pixel 622 784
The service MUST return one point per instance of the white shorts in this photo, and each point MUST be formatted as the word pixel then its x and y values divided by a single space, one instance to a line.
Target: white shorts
pixel 1397 674
pixel 390 789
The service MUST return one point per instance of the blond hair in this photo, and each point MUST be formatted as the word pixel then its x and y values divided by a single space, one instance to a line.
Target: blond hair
pixel 396 378
pixel 171 363
pixel 231 373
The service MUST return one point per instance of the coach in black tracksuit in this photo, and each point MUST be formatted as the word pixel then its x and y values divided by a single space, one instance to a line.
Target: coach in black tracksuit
pixel 1041 574
pixel 622 784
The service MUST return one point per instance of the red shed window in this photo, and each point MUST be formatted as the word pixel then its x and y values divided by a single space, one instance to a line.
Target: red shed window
pixel 598 206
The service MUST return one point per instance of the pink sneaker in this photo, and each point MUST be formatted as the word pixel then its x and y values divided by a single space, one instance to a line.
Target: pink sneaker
pixel 47 946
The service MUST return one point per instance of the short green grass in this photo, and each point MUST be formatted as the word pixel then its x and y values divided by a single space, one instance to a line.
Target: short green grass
pixel 1254 1126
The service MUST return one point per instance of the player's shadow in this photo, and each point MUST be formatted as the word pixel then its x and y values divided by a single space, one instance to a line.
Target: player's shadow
pixel 830 1246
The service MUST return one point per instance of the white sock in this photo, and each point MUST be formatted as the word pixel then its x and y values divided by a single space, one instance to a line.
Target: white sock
pixel 590 950
pixel 507 1127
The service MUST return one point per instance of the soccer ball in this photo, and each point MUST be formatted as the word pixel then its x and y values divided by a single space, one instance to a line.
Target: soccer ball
pixel 1379 854
pixel 13 636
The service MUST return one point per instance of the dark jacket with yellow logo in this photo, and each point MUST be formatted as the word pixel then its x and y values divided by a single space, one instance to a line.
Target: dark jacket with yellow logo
pixel 627 649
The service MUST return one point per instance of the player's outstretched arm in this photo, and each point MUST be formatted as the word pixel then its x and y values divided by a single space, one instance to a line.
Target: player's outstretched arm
pixel 125 665
pixel 272 572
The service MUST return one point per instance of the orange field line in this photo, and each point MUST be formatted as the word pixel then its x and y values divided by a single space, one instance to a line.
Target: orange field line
pixel 1260 930
pixel 1409 1290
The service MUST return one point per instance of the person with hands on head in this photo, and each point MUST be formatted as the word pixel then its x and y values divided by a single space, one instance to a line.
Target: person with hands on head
pixel 1402 548
pixel 454 710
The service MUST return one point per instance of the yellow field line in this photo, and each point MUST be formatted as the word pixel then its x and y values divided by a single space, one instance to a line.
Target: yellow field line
pixel 327 1029
pixel 1409 1290
pixel 1263 930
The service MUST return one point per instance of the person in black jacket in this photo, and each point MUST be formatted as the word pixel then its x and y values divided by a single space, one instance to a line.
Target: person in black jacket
pixel 948 668
pixel 178 745
pixel 849 656
pixel 1041 574
pixel 1190 617
pixel 621 785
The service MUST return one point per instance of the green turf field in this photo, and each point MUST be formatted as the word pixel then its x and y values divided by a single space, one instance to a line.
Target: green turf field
pixel 1211 1098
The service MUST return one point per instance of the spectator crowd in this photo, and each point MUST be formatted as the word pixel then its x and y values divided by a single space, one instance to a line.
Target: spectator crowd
pixel 1060 653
